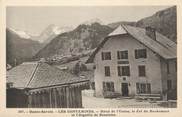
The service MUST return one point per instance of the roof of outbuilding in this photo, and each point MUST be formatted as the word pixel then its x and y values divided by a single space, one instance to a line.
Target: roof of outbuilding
pixel 38 74
pixel 162 45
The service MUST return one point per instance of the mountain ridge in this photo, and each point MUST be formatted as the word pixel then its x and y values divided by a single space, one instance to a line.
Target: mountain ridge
pixel 83 37
pixel 19 49
pixel 89 34
pixel 164 21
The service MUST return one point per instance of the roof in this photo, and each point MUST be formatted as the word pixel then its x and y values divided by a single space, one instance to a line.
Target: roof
pixel 70 65
pixel 39 74
pixel 163 46
pixel 118 31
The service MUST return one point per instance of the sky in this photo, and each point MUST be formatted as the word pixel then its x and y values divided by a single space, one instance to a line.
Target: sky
pixel 34 20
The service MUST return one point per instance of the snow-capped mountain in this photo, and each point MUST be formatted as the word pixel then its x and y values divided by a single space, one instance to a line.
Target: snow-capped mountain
pixel 50 32
pixel 83 37
pixel 46 36
pixel 20 33
pixel 58 30
pixel 20 46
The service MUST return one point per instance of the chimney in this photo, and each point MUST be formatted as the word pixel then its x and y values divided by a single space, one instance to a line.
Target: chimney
pixel 149 31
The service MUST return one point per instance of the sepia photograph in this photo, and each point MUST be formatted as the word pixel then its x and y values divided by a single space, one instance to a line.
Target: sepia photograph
pixel 91 56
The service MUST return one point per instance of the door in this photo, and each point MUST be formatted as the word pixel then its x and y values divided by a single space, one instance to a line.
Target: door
pixel 169 85
pixel 169 91
pixel 124 89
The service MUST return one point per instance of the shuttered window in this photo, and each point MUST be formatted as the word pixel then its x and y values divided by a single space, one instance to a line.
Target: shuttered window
pixel 141 70
pixel 140 53
pixel 144 88
pixel 123 71
pixel 106 55
pixel 107 71
pixel 122 54
pixel 108 86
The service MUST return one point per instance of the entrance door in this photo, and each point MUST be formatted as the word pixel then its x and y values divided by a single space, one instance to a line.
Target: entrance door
pixel 169 91
pixel 169 85
pixel 124 89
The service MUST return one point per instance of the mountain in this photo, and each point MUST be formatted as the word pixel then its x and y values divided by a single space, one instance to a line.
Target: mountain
pixel 20 33
pixel 163 21
pixel 84 37
pixel 89 34
pixel 19 48
pixel 91 21
pixel 50 32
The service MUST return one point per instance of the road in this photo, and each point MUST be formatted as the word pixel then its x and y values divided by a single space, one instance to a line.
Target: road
pixel 89 101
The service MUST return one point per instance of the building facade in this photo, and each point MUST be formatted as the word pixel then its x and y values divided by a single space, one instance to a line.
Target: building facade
pixel 132 61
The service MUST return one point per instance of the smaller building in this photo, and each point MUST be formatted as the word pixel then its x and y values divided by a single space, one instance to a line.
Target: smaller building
pixel 78 67
pixel 39 85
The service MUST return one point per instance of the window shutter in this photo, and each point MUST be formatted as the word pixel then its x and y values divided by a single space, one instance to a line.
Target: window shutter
pixel 148 88
pixel 128 70
pixel 138 88
pixel 104 86
pixel 109 54
pixel 145 53
pixel 136 54
pixel 102 55
pixel 119 71
pixel 112 86
pixel 168 71
pixel 118 55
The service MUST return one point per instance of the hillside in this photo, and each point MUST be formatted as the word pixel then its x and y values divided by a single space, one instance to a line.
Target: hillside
pixel 19 49
pixel 88 36
pixel 84 37
pixel 163 21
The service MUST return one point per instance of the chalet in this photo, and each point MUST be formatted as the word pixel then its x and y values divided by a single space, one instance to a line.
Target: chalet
pixel 133 60
pixel 39 85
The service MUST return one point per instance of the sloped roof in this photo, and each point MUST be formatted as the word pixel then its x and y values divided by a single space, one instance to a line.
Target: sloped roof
pixel 21 75
pixel 162 45
pixel 38 74
pixel 118 31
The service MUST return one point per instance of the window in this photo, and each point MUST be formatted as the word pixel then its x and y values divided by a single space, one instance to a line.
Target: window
pixel 106 55
pixel 107 71
pixel 122 54
pixel 141 70
pixel 143 88
pixel 108 86
pixel 140 53
pixel 123 71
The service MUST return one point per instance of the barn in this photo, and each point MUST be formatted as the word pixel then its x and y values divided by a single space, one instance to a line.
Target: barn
pixel 39 85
